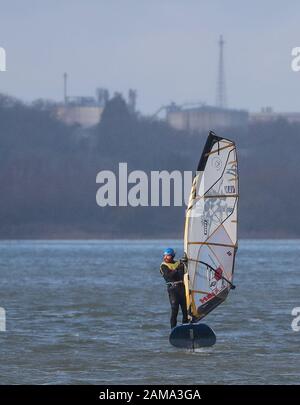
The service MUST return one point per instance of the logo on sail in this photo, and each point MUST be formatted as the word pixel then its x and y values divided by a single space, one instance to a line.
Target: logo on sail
pixel 205 226
pixel 229 189
pixel 217 163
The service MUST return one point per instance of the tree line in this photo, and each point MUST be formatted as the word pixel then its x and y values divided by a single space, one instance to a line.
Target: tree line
pixel 48 173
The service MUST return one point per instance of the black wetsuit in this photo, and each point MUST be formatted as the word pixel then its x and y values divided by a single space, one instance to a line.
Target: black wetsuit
pixel 176 290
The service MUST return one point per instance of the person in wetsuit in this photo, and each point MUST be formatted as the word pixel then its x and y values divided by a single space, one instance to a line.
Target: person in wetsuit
pixel 173 272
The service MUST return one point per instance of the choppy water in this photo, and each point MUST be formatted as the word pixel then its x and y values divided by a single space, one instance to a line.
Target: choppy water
pixel 97 312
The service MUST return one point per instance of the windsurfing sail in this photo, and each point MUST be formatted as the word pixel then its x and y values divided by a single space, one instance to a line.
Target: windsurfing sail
pixel 210 237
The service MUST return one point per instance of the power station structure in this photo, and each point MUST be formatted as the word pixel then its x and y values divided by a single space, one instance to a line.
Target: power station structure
pixel 267 114
pixel 193 117
pixel 198 117
pixel 87 111
pixel 83 111
pixel 202 118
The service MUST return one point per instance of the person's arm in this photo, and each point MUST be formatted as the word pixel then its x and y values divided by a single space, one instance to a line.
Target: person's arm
pixel 180 270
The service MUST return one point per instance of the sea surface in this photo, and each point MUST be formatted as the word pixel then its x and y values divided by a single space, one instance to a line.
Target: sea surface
pixel 97 312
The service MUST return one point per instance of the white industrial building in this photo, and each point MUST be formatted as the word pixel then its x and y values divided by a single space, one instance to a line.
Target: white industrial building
pixel 204 118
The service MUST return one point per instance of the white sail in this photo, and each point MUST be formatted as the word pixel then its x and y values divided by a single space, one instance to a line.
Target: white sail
pixel 210 241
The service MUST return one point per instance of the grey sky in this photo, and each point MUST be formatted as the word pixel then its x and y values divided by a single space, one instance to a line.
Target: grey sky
pixel 166 49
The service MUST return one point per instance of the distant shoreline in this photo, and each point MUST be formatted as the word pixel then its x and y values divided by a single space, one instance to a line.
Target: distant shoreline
pixel 127 238
pixel 78 232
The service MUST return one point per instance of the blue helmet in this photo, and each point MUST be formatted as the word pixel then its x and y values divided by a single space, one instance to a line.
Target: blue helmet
pixel 169 252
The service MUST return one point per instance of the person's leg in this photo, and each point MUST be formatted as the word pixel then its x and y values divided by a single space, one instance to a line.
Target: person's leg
pixel 183 307
pixel 174 307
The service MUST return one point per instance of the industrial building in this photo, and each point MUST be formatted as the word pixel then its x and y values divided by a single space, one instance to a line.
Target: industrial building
pixel 87 111
pixel 204 118
pixel 81 111
pixel 267 114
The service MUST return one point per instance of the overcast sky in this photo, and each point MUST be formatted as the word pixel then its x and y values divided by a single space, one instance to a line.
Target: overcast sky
pixel 165 49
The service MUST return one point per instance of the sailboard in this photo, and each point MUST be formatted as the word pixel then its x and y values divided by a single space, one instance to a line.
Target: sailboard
pixel 210 235
pixel 192 336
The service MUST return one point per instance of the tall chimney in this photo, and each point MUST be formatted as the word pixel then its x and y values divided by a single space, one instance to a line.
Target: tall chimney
pixel 65 88
pixel 221 91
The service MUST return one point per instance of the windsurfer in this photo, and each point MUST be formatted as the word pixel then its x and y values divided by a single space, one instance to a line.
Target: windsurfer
pixel 173 273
